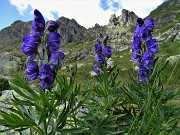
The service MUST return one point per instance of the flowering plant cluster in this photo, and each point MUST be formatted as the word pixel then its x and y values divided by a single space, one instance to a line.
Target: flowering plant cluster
pixel 50 43
pixel 144 54
pixel 102 54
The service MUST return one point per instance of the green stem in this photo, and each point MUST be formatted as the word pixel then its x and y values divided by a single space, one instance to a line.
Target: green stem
pixel 149 97
pixel 45 127
pixel 38 129
pixel 164 90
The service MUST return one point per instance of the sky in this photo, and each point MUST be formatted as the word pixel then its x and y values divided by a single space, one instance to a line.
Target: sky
pixel 85 12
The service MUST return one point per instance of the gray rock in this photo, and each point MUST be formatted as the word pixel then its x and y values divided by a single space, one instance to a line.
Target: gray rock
pixel 9 61
pixel 70 30
pixel 165 19
pixel 127 18
pixel 173 34
pixel 113 20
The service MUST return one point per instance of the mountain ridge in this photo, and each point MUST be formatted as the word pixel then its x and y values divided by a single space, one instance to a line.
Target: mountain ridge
pixel 78 41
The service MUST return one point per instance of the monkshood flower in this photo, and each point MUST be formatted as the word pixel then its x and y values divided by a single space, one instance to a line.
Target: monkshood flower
pixel 100 59
pixel 107 51
pixel 145 35
pixel 54 42
pixel 152 46
pixel 98 48
pixel 136 45
pixel 96 69
pixel 38 24
pixel 148 60
pixel 136 56
pixel 36 35
pixel 32 71
pixel 46 77
pixel 142 73
pixel 139 27
pixel 58 56
pixel 150 25
pixel 52 26
pixel 136 48
pixel 29 47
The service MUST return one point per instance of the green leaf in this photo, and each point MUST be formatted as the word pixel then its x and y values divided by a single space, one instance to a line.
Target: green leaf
pixel 72 130
pixel 44 98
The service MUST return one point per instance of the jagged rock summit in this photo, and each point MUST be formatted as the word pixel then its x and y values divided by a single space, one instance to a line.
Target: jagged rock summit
pixel 126 19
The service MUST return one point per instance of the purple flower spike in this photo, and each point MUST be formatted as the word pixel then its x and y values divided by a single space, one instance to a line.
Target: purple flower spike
pixel 149 23
pixel 98 48
pixel 32 71
pixel 148 60
pixel 54 42
pixel 152 46
pixel 96 69
pixel 46 77
pixel 107 51
pixel 100 59
pixel 29 47
pixel 52 26
pixel 54 58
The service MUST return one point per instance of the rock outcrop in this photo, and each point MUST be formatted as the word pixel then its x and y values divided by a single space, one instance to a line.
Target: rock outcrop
pixel 173 34
pixel 70 30
pixel 13 34
pixel 126 19
pixel 8 61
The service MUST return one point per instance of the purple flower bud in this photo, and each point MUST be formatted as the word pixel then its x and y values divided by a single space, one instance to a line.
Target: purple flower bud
pixel 29 47
pixel 148 60
pixel 52 26
pixel 142 74
pixel 96 69
pixel 149 23
pixel 152 46
pixel 98 48
pixel 32 71
pixel 140 21
pixel 54 42
pixel 54 58
pixel 107 51
pixel 46 77
pixel 100 59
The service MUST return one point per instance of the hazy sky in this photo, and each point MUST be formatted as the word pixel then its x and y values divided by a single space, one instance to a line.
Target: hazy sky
pixel 85 12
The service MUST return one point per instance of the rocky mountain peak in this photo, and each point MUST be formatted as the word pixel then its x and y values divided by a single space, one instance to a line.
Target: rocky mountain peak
pixel 126 19
pixel 70 30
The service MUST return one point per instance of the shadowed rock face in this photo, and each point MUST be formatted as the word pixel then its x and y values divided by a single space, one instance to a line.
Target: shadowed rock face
pixel 14 33
pixel 70 30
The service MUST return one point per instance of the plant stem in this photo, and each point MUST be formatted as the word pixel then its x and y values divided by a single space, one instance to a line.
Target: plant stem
pixel 164 90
